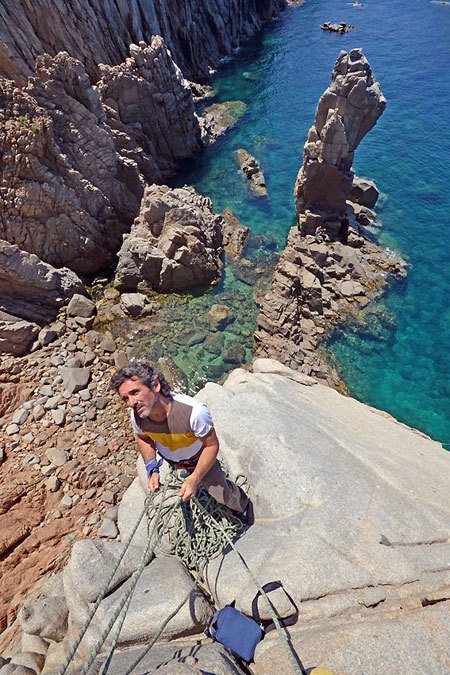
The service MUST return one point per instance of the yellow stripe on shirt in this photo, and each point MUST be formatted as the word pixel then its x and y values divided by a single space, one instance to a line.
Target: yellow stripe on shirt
pixel 173 442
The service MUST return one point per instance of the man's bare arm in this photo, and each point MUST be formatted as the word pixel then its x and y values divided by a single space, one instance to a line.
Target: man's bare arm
pixel 205 462
pixel 147 449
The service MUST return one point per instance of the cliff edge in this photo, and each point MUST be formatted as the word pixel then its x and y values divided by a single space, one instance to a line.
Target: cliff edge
pixel 197 34
pixel 352 519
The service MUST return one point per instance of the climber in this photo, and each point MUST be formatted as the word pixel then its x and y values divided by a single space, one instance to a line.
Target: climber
pixel 180 429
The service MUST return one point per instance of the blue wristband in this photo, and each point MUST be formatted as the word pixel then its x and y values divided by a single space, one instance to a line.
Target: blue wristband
pixel 152 466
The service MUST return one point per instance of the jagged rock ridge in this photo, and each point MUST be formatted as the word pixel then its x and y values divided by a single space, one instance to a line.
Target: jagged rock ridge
pixel 76 156
pixel 346 112
pixel 198 33
pixel 75 159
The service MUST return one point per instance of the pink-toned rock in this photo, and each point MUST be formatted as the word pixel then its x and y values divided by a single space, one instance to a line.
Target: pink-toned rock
pixel 32 289
pixel 59 185
pixel 328 270
pixel 97 32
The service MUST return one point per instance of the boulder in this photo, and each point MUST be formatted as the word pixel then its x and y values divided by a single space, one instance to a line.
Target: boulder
pixel 92 563
pixel 340 27
pixel 16 335
pixel 79 305
pixel 192 656
pixel 220 117
pixel 32 289
pixel 219 316
pixel 252 171
pixel 355 524
pixel 75 379
pixel 136 305
pixel 163 584
pixel 174 244
pixel 364 192
pixel 46 618
pixel 235 234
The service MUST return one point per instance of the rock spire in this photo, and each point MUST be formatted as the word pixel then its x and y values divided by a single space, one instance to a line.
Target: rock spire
pixel 330 269
pixel 346 111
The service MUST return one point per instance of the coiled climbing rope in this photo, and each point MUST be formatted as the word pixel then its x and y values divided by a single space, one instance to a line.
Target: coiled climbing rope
pixel 195 532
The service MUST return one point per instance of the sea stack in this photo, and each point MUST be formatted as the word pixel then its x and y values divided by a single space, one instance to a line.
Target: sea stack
pixel 346 112
pixel 329 269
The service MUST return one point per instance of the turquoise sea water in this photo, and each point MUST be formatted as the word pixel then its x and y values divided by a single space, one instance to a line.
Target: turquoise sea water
pixel 403 368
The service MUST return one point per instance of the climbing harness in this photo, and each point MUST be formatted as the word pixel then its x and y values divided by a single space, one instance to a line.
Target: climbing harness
pixel 195 531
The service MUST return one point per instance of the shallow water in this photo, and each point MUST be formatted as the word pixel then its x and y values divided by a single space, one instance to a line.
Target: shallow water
pixel 401 364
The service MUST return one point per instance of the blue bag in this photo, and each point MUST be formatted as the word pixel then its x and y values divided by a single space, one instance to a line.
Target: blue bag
pixel 236 631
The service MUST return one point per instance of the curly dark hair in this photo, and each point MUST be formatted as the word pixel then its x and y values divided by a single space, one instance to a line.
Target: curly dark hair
pixel 140 370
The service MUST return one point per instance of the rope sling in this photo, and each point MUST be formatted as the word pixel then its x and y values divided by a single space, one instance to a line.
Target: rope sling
pixel 195 532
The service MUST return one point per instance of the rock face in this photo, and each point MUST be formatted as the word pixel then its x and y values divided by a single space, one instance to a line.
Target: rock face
pixel 31 294
pixel 71 184
pixel 197 34
pixel 355 527
pixel 329 269
pixel 315 285
pixel 149 107
pixel 346 111
pixel 175 243
pixel 31 288
pixel 64 188
pixel 76 156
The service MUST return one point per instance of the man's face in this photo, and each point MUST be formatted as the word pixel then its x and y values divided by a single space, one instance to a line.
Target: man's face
pixel 138 396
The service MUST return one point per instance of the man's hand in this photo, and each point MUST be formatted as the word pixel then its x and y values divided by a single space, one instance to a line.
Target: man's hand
pixel 188 489
pixel 153 482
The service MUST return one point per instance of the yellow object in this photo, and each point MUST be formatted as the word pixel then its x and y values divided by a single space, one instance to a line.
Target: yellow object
pixel 321 671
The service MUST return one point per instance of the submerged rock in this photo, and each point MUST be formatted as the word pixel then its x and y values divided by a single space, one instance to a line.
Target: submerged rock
pixel 31 289
pixel 219 117
pixel 252 171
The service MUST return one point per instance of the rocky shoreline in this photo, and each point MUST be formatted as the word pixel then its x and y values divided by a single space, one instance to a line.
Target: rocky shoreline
pixel 331 268
pixel 67 453
pixel 317 286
